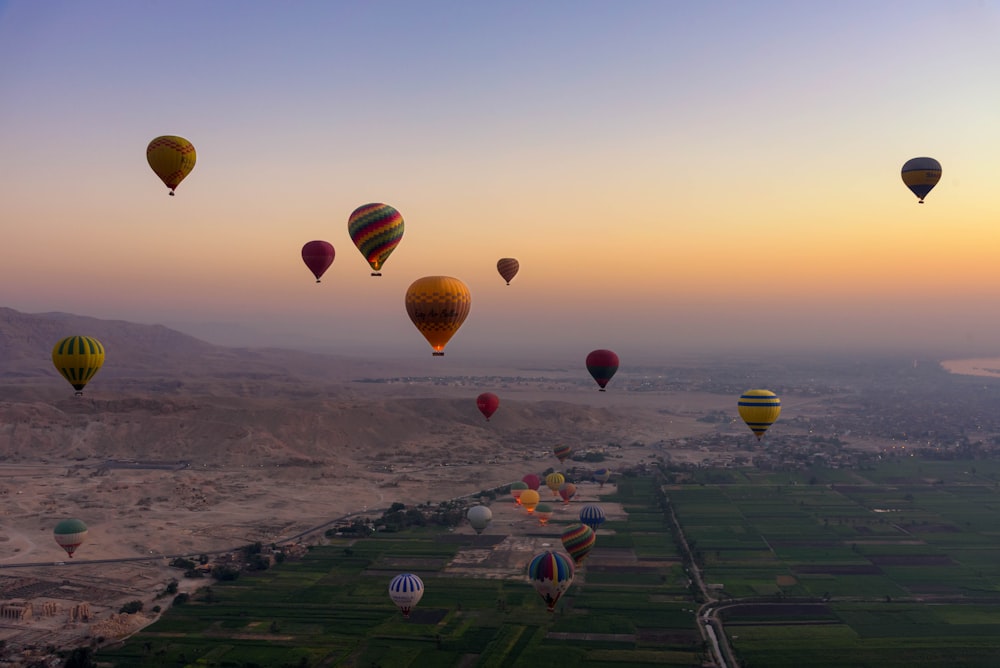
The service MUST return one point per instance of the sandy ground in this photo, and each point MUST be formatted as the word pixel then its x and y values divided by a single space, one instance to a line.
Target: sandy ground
pixel 986 366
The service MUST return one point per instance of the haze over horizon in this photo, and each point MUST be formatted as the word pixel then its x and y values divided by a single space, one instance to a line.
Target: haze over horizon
pixel 675 178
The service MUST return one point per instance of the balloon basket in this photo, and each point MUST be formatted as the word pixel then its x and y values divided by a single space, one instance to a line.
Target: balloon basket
pixel 437 354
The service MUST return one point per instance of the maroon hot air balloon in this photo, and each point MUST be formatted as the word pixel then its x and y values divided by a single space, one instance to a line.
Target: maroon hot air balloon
pixel 507 266
pixel 602 365
pixel 532 481
pixel 487 402
pixel 318 256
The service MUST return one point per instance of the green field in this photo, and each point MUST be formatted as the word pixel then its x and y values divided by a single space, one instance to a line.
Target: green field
pixel 892 566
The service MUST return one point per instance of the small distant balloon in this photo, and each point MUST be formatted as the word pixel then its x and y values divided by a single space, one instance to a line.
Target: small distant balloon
pixel 602 476
pixel 437 306
pixel 406 590
pixel 532 481
pixel 530 499
pixel 479 517
pixel 508 266
pixel 318 256
pixel 921 175
pixel 516 489
pixel 487 403
pixel 562 452
pixel 78 358
pixel 592 516
pixel 543 512
pixel 70 534
pixel 759 409
pixel 567 491
pixel 602 365
pixel 376 229
pixel 171 158
pixel 554 481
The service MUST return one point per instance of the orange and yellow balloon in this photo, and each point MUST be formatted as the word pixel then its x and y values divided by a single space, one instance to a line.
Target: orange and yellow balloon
pixel 438 305
pixel 530 499
pixel 172 158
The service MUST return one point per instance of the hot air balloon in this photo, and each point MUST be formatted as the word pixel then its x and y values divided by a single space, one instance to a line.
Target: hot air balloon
pixel 567 491
pixel 487 402
pixel 602 476
pixel 318 256
pixel 551 574
pixel 543 512
pixel 579 540
pixel 516 489
pixel 554 481
pixel 78 358
pixel 921 175
pixel 438 305
pixel 479 517
pixel 405 590
pixel 602 365
pixel 592 516
pixel 70 534
pixel 562 452
pixel 529 499
pixel 508 266
pixel 759 409
pixel 532 481
pixel 376 229
pixel 172 158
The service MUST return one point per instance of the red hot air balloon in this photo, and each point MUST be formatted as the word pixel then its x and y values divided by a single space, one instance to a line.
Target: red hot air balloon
pixel 318 256
pixel 602 365
pixel 487 402
pixel 532 481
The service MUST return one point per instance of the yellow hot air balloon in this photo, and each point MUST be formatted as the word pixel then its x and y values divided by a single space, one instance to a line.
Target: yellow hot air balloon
pixel 554 481
pixel 438 305
pixel 78 358
pixel 172 158
pixel 759 409
pixel 530 499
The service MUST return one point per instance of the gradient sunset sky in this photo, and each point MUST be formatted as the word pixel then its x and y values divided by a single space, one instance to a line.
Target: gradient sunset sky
pixel 673 177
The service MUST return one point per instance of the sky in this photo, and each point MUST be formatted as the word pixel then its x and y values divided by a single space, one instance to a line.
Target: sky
pixel 675 178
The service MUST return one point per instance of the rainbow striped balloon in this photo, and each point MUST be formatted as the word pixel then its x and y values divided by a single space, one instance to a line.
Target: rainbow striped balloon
pixel 759 409
pixel 579 540
pixel 376 229
pixel 550 574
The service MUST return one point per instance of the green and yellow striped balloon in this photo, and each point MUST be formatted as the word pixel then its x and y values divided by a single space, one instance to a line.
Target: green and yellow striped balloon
pixel 78 358
pixel 759 409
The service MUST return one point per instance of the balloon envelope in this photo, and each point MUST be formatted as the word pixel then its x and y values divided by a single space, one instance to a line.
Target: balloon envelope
pixel 438 305
pixel 759 409
pixel 592 516
pixel 78 358
pixel 376 229
pixel 554 481
pixel 70 534
pixel 602 476
pixel 921 175
pixel 579 540
pixel 487 402
pixel 532 481
pixel 406 590
pixel 567 491
pixel 562 452
pixel 479 517
pixel 318 256
pixel 508 266
pixel 602 365
pixel 543 512
pixel 517 489
pixel 172 158
pixel 530 499
pixel 551 574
